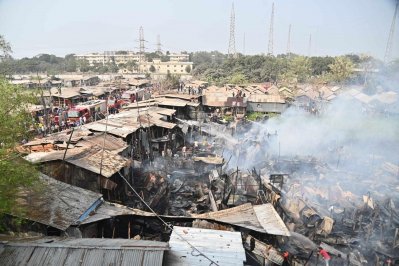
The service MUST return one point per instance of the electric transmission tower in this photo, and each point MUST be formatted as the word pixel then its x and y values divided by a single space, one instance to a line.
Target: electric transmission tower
pixel 270 46
pixel 142 47
pixel 159 45
pixel 388 51
pixel 232 41
pixel 289 41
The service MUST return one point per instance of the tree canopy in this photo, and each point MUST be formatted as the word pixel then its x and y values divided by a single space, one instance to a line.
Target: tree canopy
pixel 218 69
pixel 15 124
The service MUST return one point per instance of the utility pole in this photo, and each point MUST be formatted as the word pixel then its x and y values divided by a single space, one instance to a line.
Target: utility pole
pixel 388 50
pixel 270 46
pixel 159 45
pixel 232 41
pixel 289 41
pixel 310 45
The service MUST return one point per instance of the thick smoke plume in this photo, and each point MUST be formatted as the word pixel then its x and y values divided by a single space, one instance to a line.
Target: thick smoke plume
pixel 346 137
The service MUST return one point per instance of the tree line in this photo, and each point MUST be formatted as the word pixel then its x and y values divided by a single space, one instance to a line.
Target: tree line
pixel 219 69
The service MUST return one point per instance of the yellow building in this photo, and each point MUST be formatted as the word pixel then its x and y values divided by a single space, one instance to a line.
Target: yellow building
pixel 163 68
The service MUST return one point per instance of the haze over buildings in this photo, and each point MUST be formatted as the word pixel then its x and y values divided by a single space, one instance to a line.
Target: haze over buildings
pixel 63 27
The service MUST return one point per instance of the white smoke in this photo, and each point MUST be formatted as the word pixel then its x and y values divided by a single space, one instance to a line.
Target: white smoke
pixel 346 135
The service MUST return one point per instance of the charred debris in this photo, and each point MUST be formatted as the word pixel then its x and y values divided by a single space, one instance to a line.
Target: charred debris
pixel 195 173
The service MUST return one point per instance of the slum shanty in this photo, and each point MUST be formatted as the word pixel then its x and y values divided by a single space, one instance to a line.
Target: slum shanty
pixel 261 174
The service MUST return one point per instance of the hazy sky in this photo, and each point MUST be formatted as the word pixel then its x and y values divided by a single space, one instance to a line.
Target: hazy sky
pixel 82 26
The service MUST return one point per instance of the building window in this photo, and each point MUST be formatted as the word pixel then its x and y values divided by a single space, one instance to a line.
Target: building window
pixel 181 65
pixel 167 65
pixel 181 70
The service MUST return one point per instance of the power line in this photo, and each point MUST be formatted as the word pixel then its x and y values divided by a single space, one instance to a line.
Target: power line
pixel 165 223
pixel 232 41
pixel 388 50
pixel 270 46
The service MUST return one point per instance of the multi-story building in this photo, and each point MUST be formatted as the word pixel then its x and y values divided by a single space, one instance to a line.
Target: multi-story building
pixel 178 64
pixel 109 57
pixel 123 57
pixel 172 67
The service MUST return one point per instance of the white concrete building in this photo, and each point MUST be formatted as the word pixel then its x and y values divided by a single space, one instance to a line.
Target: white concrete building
pixel 108 57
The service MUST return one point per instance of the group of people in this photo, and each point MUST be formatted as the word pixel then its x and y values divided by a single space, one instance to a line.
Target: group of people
pixel 189 89
pixel 239 94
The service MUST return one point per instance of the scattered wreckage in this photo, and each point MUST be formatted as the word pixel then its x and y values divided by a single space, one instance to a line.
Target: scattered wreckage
pixel 281 210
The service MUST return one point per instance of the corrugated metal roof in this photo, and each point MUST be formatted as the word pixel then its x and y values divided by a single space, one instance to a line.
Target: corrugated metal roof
pixel 94 251
pixel 91 159
pixel 108 210
pixel 265 98
pixel 63 136
pixel 216 98
pixel 262 218
pixel 163 111
pixel 364 98
pixel 127 122
pixel 389 97
pixel 187 97
pixel 223 247
pixel 110 142
pixel 270 220
pixel 66 93
pixel 171 102
pixel 57 204
pixel 96 160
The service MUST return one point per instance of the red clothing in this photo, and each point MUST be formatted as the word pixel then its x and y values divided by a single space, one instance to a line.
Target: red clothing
pixel 324 254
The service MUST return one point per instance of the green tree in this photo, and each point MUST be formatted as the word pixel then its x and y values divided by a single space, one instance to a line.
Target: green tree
pixel 83 65
pixel 152 69
pixel 341 69
pixel 132 65
pixel 112 67
pixel 188 69
pixel 151 56
pixel 15 123
pixel 5 47
pixel 165 58
pixel 298 68
pixel 70 63
pixel 320 65
pixel 238 78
